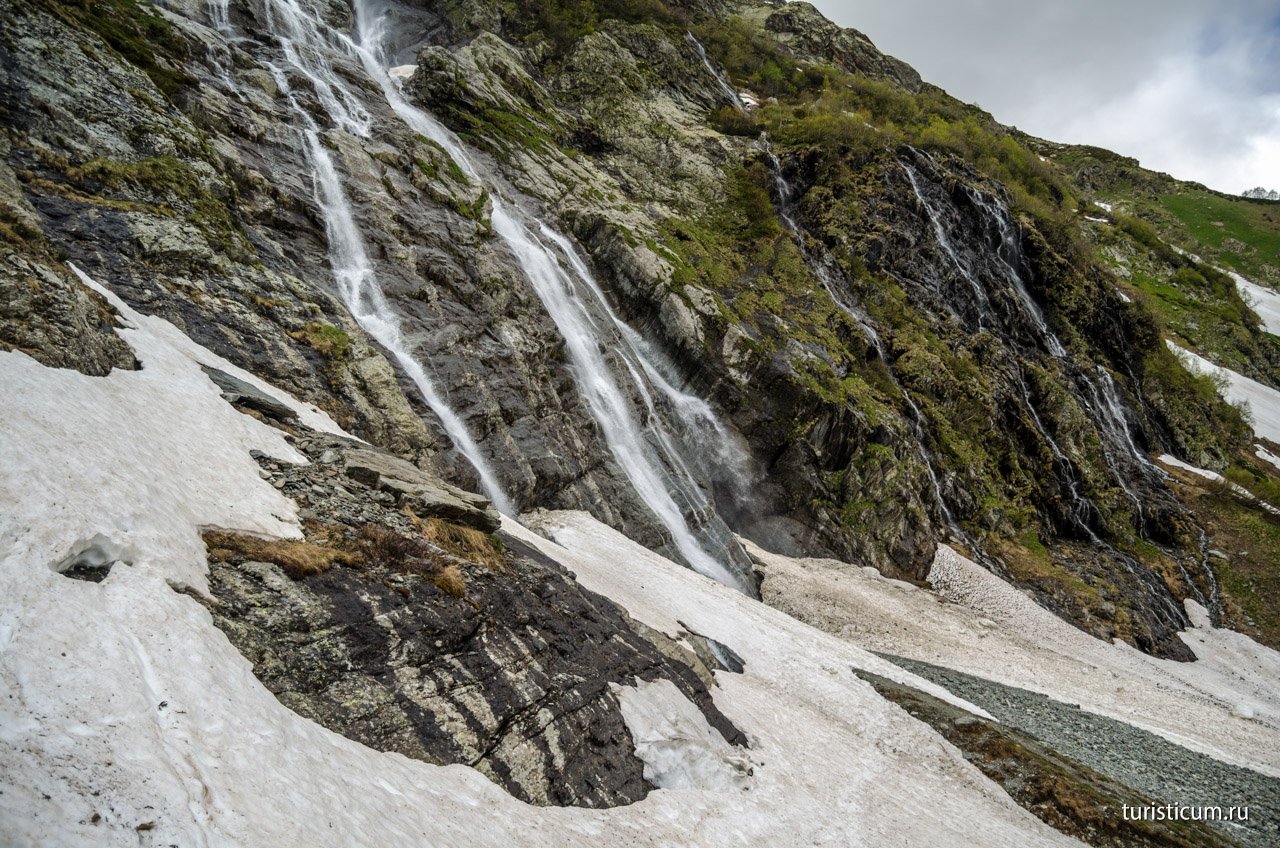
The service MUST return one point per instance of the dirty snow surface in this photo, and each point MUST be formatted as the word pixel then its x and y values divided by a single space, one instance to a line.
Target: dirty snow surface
pixel 976 623
pixel 128 718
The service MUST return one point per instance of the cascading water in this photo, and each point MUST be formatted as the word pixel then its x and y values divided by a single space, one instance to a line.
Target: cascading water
pixel 821 262
pixel 302 45
pixel 1009 254
pixel 220 20
pixel 1082 509
pixel 1108 414
pixel 719 77
pixel 565 286
pixel 721 456
pixel 1009 261
pixel 218 15
pixel 1114 413
pixel 603 395
pixel 824 268
pixel 982 304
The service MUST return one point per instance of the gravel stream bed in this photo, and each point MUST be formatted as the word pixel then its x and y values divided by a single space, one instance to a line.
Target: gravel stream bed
pixel 1148 763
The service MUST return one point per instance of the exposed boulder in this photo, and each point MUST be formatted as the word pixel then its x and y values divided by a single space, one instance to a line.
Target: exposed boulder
pixel 395 627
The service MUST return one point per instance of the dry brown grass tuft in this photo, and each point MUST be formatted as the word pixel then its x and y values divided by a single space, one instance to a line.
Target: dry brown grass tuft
pixel 296 559
pixel 382 545
pixel 464 542
pixel 407 554
pixel 449 579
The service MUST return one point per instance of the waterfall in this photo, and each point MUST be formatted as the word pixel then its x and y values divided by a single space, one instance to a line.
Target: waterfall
pixel 218 15
pixel 220 53
pixel 1008 253
pixel 717 75
pixel 820 261
pixel 824 268
pixel 980 296
pixel 565 286
pixel 1081 507
pixel 721 455
pixel 1114 413
pixel 600 390
pixel 301 42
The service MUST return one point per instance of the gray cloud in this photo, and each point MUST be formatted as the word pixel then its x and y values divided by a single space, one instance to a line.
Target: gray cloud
pixel 1186 86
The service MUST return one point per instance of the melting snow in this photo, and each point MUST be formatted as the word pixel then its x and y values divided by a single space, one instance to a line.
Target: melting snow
pixel 1218 478
pixel 1185 466
pixel 1264 301
pixel 1266 455
pixel 1262 401
pixel 128 711
pixel 170 336
pixel 679 749
pixel 976 623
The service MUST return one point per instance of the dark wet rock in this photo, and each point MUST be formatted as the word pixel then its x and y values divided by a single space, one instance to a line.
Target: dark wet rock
pixel 237 392
pixel 89 572
pixel 407 647
pixel 186 195
pixel 715 654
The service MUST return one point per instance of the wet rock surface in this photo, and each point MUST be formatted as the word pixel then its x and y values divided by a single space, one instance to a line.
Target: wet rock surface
pixel 178 181
pixel 409 633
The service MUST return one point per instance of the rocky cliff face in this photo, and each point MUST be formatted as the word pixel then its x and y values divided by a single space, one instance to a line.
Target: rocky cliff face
pixel 871 331
pixel 439 642
pixel 702 269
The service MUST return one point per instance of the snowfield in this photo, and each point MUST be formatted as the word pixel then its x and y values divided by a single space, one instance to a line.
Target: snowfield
pixel 976 623
pixel 130 718
pixel 1264 301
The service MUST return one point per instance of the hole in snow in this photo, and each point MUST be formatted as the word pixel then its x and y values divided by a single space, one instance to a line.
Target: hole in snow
pixel 93 559
pixel 677 746
pixel 717 656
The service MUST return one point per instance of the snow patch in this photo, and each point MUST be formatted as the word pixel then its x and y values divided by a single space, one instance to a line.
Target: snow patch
pixel 1124 297
pixel 134 461
pixel 1262 300
pixel 157 724
pixel 1186 466
pixel 179 343
pixel 1262 401
pixel 832 761
pixel 679 749
pixel 1104 206
pixel 1266 455
pixel 976 623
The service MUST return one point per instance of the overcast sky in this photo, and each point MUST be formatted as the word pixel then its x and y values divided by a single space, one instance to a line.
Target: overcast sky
pixel 1191 87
